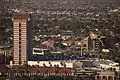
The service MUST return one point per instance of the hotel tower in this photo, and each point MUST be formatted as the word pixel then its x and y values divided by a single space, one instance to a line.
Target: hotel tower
pixel 20 38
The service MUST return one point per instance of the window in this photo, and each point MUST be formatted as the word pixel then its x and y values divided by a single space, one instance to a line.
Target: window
pixel 38 51
pixel 19 43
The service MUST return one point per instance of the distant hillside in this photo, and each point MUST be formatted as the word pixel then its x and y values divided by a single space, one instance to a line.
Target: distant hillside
pixel 103 1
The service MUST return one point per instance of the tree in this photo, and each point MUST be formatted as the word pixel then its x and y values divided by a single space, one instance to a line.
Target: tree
pixel 45 69
pixel 50 64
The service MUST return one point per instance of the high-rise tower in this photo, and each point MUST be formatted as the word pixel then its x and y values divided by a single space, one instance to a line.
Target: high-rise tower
pixel 20 38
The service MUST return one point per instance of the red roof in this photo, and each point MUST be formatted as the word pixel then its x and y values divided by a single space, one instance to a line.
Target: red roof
pixel 45 70
pixel 55 70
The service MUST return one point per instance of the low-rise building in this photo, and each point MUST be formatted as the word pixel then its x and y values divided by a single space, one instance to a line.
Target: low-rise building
pixel 107 75
pixel 5 52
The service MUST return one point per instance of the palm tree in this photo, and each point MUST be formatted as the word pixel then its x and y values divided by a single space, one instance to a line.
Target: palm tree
pixel 61 63
pixel 45 69
pixel 64 68
pixel 55 68
pixel 44 65
pixel 38 62
pixel 50 64
pixel 64 65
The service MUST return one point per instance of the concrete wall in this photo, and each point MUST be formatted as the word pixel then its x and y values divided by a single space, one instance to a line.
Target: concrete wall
pixel 40 63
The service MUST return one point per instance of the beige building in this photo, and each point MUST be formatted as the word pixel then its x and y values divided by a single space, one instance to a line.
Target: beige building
pixel 108 75
pixel 20 38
